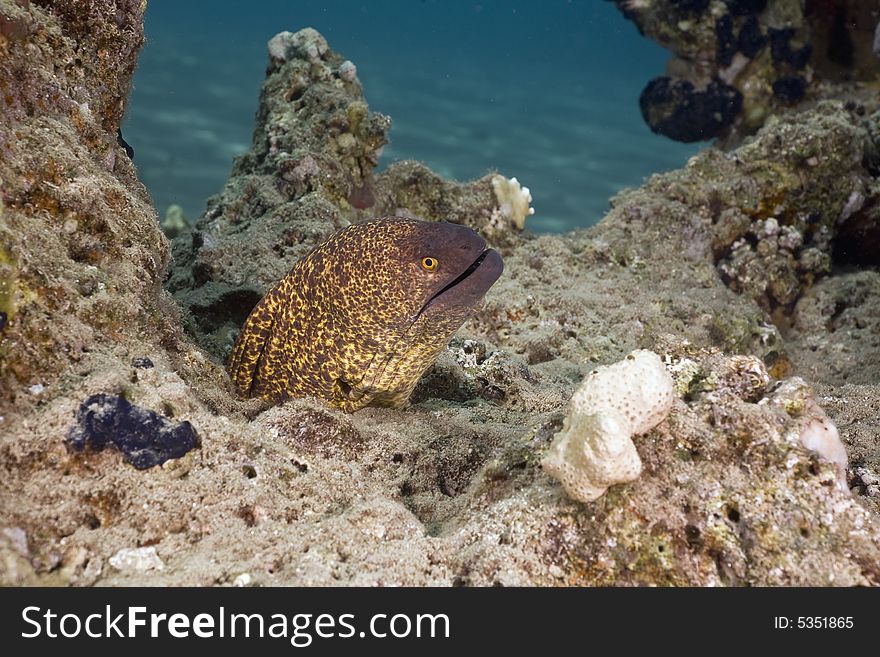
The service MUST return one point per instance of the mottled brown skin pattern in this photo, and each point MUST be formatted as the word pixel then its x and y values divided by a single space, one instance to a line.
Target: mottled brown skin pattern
pixel 360 318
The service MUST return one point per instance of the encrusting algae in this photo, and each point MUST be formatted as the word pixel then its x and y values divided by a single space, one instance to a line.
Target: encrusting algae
pixel 361 317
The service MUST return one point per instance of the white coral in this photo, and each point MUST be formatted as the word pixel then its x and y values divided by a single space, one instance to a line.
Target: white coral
pixel 513 200
pixel 595 450
pixel 348 71
pixel 820 435
pixel 307 43
pixel 817 432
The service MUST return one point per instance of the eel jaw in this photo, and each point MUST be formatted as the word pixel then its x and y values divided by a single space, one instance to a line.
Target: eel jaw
pixel 473 282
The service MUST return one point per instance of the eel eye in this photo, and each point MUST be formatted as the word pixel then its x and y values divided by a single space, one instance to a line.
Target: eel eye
pixel 429 264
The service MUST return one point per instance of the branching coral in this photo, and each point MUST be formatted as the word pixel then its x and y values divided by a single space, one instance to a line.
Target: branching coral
pixel 513 200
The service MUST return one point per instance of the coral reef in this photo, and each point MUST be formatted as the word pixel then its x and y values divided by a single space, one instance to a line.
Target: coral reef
pixel 448 491
pixel 495 210
pixel 145 438
pixel 81 253
pixel 595 450
pixel 773 233
pixel 836 326
pixel 737 63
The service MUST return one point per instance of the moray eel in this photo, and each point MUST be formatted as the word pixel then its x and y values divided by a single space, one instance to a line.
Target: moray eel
pixel 360 318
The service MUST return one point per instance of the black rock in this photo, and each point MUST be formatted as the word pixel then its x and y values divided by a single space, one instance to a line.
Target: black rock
pixel 726 40
pixel 125 145
pixel 745 7
pixel 751 39
pixel 3 319
pixel 143 436
pixel 790 88
pixel 142 363
pixel 779 39
pixel 693 6
pixel 799 58
pixel 780 48
pixel 676 109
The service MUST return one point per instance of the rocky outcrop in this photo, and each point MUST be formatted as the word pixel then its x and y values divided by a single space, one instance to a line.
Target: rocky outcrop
pixel 81 254
pixel 736 63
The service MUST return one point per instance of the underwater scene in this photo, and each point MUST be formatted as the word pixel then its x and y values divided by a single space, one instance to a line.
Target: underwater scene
pixel 548 90
pixel 565 293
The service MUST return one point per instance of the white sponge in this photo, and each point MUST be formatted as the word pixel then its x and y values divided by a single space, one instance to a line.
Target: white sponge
pixel 595 450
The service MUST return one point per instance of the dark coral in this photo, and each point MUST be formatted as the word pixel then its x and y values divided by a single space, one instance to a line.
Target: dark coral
pixel 826 42
pixel 677 109
pixel 781 49
pixel 779 46
pixel 751 39
pixel 727 41
pixel 799 58
pixel 790 88
pixel 693 6
pixel 745 7
pixel 143 436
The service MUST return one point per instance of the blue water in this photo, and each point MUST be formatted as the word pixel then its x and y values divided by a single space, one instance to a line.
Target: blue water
pixel 544 91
